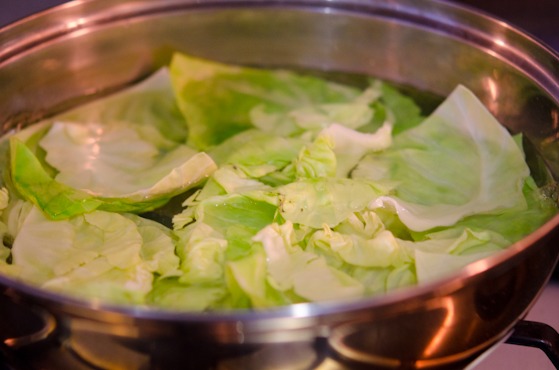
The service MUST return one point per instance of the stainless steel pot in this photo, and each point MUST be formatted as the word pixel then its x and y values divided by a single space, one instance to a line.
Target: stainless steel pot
pixel 57 59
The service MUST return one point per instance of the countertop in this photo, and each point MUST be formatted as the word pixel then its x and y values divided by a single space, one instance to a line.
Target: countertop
pixel 514 357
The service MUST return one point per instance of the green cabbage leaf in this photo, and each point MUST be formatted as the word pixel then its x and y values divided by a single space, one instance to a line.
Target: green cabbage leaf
pixel 460 161
pixel 98 167
pixel 99 255
pixel 275 101
pixel 149 104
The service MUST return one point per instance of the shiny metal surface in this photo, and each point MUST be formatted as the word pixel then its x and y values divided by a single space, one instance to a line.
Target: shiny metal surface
pixel 86 48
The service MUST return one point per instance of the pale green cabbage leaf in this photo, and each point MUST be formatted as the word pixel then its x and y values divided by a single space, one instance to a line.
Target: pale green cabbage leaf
pixel 98 255
pixel 105 175
pixel 460 161
pixel 149 104
pixel 324 201
pixel 271 100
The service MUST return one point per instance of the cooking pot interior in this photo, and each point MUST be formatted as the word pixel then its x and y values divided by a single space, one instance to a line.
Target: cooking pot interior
pixel 83 50
pixel 78 54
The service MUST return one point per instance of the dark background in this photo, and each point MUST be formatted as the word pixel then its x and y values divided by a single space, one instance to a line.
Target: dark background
pixel 539 18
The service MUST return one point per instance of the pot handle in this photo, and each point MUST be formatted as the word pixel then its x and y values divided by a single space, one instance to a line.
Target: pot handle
pixel 538 335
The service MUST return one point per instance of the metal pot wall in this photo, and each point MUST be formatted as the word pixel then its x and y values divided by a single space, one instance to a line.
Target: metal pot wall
pixel 78 51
